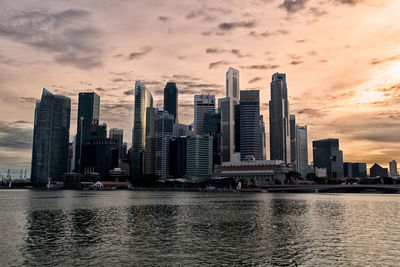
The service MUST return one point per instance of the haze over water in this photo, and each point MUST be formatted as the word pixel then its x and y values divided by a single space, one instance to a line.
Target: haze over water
pixel 125 228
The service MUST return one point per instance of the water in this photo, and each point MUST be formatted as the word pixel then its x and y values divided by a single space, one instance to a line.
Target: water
pixel 128 228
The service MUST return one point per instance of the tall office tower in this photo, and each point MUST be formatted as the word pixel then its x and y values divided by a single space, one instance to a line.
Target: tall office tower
pixel 327 155
pixel 150 155
pixel 50 146
pixel 347 169
pixel 301 149
pixel 164 133
pixel 212 127
pixel 227 106
pixel 250 139
pixel 393 168
pixel 117 134
pixel 237 128
pixel 143 100
pixel 177 157
pixel 202 105
pixel 171 100
pixel 87 121
pixel 293 159
pixel 263 138
pixel 279 125
pixel 182 130
pixel 359 170
pixel 199 156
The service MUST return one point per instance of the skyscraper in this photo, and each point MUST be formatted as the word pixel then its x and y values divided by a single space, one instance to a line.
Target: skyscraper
pixel 393 169
pixel 143 100
pixel 212 127
pixel 359 170
pixel 88 119
pixel 199 156
pixel 164 133
pixel 117 134
pixel 301 149
pixel 171 100
pixel 202 105
pixel 250 139
pixel 279 119
pixel 150 155
pixel 292 121
pixel 50 146
pixel 227 107
pixel 327 155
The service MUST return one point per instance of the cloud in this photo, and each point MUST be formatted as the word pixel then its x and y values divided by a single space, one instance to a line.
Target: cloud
pixel 311 112
pixel 235 52
pixel 137 55
pixel 296 62
pixel 376 61
pixel 15 137
pixel 68 35
pixel 163 19
pixel 293 6
pixel 207 13
pixel 228 26
pixel 216 64
pixel 266 34
pixel 261 67
pixel 348 2
pixel 129 92
pixel 214 50
pixel 255 79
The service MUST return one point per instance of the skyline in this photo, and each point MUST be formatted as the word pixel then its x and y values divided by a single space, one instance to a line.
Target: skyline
pixel 340 83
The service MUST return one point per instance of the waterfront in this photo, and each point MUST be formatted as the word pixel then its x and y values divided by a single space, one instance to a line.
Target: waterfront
pixel 132 228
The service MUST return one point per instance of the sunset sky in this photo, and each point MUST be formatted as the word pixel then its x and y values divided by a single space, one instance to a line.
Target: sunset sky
pixel 341 57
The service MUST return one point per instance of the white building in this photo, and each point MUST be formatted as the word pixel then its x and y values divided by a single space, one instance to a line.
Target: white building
pixel 301 150
pixel 199 156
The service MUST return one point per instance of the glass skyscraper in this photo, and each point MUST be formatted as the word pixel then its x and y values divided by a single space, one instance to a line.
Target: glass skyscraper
pixel 326 154
pixel 202 105
pixel 50 138
pixel 171 100
pixel 164 133
pixel 143 100
pixel 87 121
pixel 279 125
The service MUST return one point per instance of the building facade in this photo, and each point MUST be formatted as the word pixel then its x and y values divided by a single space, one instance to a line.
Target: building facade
pixel 171 100
pixel 118 134
pixel 292 122
pixel 50 147
pixel 143 100
pixel 377 171
pixel 301 148
pixel 177 157
pixel 250 139
pixel 164 134
pixel 150 149
pixel 393 168
pixel 359 170
pixel 327 155
pixel 199 156
pixel 202 105
pixel 279 119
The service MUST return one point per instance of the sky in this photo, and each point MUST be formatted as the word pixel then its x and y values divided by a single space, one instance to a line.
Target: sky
pixel 341 59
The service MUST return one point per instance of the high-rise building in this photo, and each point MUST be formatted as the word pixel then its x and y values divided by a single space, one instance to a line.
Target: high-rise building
pixel 171 100
pixel 377 171
pixel 263 138
pixel 143 100
pixel 199 156
pixel 227 107
pixel 301 148
pixel 292 121
pixel 164 133
pixel 250 139
pixel 237 128
pixel 327 155
pixel 117 134
pixel 393 169
pixel 87 122
pixel 150 150
pixel 202 105
pixel 212 127
pixel 182 130
pixel 359 170
pixel 347 170
pixel 279 119
pixel 177 157
pixel 50 146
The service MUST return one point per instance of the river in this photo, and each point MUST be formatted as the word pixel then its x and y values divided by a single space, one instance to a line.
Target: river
pixel 131 228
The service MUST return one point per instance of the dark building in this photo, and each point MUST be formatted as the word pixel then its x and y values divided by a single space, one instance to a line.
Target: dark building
pixel 377 171
pixel 100 156
pixel 171 100
pixel 50 146
pixel 237 128
pixel 212 127
pixel 177 157
pixel 150 150
pixel 87 122
pixel 293 141
pixel 359 170
pixel 347 170
pixel 327 155
pixel 279 119
pixel 250 139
